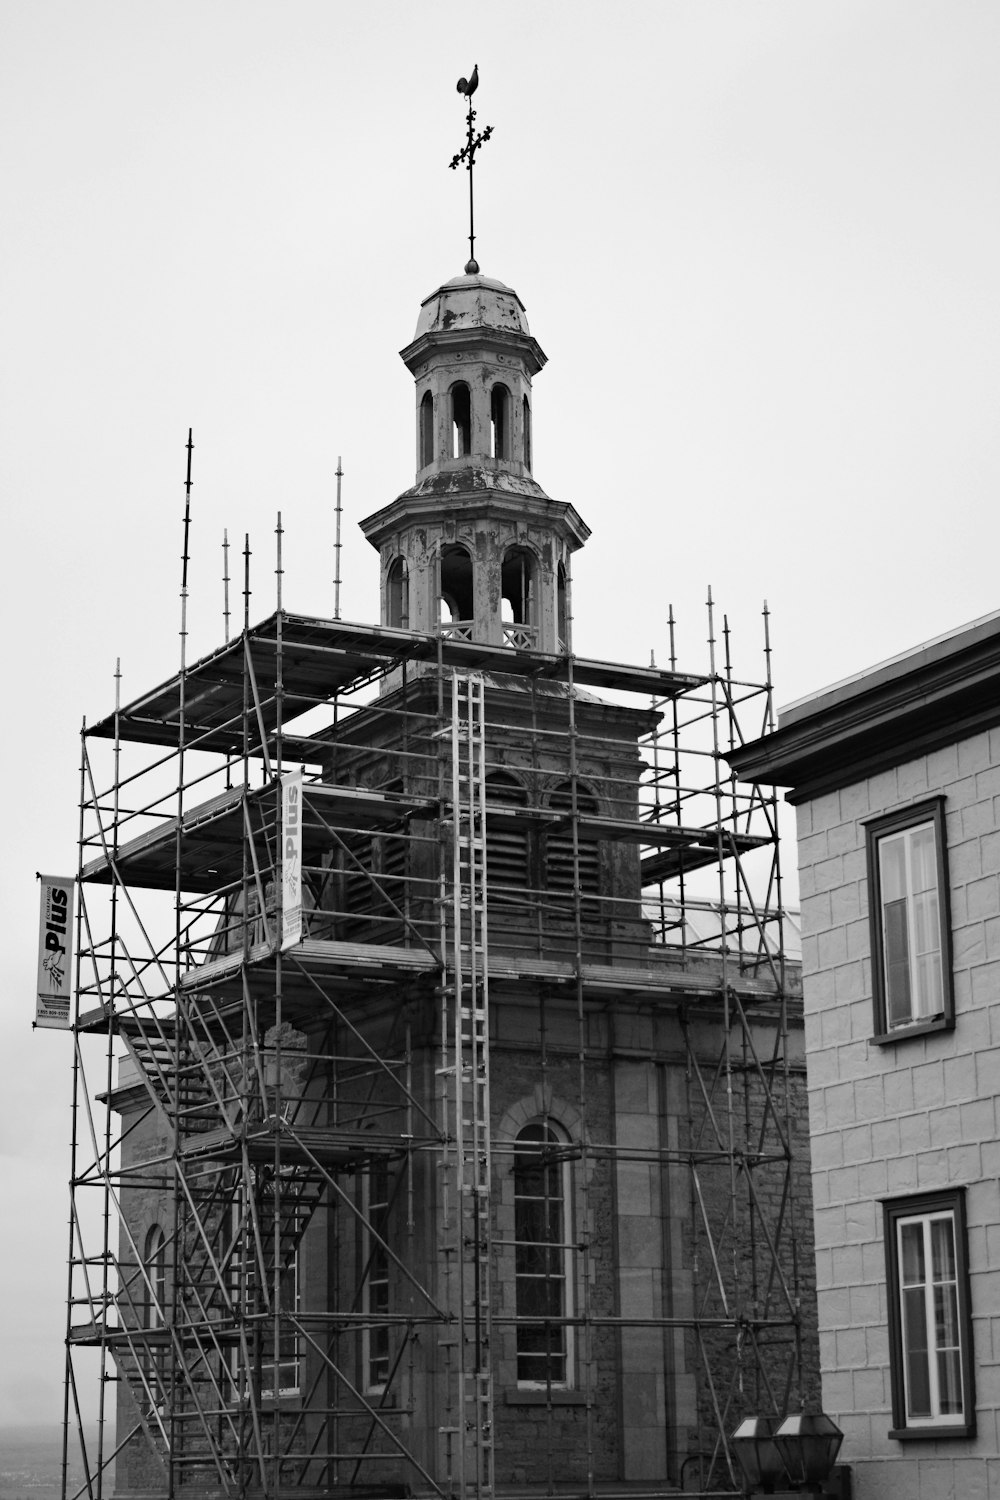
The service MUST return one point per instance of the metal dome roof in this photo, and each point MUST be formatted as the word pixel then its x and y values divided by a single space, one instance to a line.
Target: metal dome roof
pixel 467 302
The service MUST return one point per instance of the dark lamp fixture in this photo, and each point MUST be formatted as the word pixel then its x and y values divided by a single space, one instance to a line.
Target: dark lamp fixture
pixel 808 1443
pixel 754 1446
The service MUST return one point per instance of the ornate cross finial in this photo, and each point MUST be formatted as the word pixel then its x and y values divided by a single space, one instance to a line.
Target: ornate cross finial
pixel 468 86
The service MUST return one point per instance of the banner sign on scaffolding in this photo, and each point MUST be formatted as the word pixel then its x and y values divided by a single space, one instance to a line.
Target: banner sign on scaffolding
pixel 291 859
pixel 55 952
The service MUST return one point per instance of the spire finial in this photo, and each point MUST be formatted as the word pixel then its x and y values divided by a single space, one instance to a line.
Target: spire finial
pixel 468 86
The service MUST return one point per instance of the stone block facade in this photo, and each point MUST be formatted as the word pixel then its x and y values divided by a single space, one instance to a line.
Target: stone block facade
pixel 904 1113
pixel 896 1120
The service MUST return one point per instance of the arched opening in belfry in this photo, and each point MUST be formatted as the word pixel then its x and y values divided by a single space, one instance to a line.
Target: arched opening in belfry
pixel 461 420
pixel 517 591
pixel 526 432
pixel 426 430
pixel 457 608
pixel 500 422
pixel 397 595
pixel 562 608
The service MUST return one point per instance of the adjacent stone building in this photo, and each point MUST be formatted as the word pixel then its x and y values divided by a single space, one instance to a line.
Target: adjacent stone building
pixel 895 776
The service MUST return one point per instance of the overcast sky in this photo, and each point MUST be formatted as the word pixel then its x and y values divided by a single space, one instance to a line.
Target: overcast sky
pixel 758 240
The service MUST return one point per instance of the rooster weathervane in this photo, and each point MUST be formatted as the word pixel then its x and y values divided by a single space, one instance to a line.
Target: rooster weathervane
pixel 468 86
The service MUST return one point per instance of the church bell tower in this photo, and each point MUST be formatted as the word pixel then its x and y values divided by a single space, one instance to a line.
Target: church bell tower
pixel 476 548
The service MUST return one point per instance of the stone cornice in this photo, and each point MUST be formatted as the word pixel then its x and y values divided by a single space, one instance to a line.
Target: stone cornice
pixel 473 340
pixel 450 496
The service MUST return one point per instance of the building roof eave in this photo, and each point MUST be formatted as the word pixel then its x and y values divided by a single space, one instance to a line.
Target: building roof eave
pixel 933 696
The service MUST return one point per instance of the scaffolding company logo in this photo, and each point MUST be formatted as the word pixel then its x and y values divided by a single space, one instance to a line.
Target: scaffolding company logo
pixel 56 935
pixel 55 967
pixel 291 858
pixel 55 929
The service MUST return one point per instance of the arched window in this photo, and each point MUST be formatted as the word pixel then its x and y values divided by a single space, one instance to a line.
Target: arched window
pixel 397 595
pixel 457 607
pixel 564 869
pixel 526 433
pixel 461 420
pixel 291 1348
pixel 507 873
pixel 543 1256
pixel 562 608
pixel 517 593
pixel 426 430
pixel 375 1343
pixel 500 422
pixel 155 1287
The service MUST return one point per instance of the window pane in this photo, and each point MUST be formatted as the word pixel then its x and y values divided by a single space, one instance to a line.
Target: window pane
pixel 946 1317
pixel 542 1369
pixel 928 947
pixel 925 920
pixel 918 1375
pixel 946 1332
pixel 912 1274
pixel 943 1249
pixel 376 1285
pixel 930 1000
pixel 892 867
pixel 950 1381
pixel 538 1260
pixel 540 1297
pixel 911 1240
pixel 897 961
pixel 537 1340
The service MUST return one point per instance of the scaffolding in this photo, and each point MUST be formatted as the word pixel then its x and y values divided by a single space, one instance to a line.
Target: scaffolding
pixel 331 878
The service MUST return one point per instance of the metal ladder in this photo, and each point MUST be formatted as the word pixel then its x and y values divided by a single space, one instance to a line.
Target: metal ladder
pixel 468 1066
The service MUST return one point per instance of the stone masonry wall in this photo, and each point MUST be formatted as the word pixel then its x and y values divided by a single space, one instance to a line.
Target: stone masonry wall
pixel 761 1243
pixel 139 1467
pixel 653 1415
pixel 921 1114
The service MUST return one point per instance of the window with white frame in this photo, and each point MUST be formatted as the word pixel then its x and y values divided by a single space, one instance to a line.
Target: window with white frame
pixel 277 1348
pixel 930 1334
pixel 908 910
pixel 375 1342
pixel 543 1256
pixel 289 1342
pixel 155 1284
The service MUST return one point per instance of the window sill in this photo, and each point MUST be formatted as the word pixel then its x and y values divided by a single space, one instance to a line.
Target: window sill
pixel 919 1028
pixel 933 1433
pixel 544 1398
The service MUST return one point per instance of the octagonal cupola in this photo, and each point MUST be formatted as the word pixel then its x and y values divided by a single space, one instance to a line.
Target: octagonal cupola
pixel 476 548
pixel 473 358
